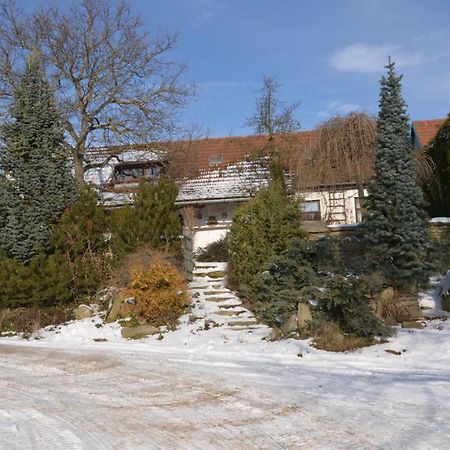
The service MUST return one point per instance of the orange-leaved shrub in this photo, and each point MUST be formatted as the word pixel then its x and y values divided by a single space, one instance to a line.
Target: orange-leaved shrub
pixel 157 292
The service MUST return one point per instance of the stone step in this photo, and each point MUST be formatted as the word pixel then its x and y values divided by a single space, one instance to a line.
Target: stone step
pixel 218 292
pixel 229 305
pixel 219 299
pixel 242 323
pixel 215 274
pixel 229 312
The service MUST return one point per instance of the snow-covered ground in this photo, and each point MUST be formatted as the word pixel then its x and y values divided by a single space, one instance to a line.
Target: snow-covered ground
pixel 84 386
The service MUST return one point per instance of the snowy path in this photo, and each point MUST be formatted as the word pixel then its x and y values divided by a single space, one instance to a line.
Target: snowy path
pixel 121 398
pixel 68 400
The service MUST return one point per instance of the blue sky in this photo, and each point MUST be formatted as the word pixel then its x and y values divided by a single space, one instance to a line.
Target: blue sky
pixel 327 54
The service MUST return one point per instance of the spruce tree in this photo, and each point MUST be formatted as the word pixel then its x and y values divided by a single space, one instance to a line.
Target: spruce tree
pixel 396 223
pixel 36 183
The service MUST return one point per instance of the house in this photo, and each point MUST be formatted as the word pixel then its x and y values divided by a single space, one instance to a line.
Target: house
pixel 216 174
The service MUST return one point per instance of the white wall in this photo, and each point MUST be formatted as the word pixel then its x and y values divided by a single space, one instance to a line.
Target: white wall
pixel 348 215
pixel 206 233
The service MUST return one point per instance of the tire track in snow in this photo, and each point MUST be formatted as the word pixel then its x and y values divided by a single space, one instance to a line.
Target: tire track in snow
pixel 116 403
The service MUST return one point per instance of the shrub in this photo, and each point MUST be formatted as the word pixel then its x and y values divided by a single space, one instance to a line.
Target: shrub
pixel 80 238
pixel 275 293
pixel 152 219
pixel 346 301
pixel 159 293
pixel 45 281
pixel 215 252
pixel 330 338
pixel 261 229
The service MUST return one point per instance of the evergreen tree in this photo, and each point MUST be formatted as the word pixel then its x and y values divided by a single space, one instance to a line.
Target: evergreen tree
pixel 153 218
pixel 396 223
pixel 36 184
pixel 262 229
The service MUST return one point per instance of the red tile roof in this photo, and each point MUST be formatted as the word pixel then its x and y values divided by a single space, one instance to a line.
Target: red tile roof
pixel 425 130
pixel 190 157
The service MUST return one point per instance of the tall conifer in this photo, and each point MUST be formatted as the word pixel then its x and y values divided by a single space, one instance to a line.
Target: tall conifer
pixel 36 184
pixel 396 223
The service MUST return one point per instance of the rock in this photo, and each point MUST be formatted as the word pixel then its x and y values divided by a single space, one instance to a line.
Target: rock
pixel 216 274
pixel 446 302
pixel 409 309
pixel 106 297
pixel 303 315
pixel 82 312
pixel 139 332
pixel 390 321
pixel 113 313
pixel 228 312
pixel 387 295
pixel 290 325
pixel 417 325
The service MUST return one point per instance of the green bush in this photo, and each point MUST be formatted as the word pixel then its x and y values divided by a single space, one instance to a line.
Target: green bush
pixel 80 238
pixel 262 229
pixel 45 281
pixel 215 252
pixel 275 293
pixel 346 301
pixel 153 219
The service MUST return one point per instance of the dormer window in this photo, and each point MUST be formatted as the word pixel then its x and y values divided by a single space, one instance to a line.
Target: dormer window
pixel 215 159
pixel 134 172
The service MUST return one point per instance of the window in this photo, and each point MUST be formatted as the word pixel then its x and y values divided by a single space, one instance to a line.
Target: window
pixel 215 159
pixel 310 210
pixel 359 203
pixel 128 173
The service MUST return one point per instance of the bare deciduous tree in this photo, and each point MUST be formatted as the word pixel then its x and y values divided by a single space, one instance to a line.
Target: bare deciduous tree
pixel 344 153
pixel 113 80
pixel 272 116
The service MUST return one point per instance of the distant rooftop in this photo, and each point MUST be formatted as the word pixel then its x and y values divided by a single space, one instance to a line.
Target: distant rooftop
pixel 423 131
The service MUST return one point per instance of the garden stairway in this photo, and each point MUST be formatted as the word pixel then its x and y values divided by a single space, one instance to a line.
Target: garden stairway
pixel 218 305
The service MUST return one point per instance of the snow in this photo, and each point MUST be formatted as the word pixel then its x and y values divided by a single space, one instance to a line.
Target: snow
pixel 81 385
pixel 440 220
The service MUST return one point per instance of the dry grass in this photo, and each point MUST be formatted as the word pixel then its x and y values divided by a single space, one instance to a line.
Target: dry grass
pixel 331 339
pixel 31 319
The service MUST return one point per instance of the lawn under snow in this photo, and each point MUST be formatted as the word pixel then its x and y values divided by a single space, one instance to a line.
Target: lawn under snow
pixel 83 386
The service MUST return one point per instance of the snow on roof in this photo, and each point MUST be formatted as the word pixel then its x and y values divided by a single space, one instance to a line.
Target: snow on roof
pixel 240 180
pixel 123 154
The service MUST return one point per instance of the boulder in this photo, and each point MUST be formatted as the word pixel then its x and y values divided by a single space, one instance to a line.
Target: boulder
pixel 139 332
pixel 303 314
pixel 446 302
pixel 114 311
pixel 409 309
pixel 411 324
pixel 83 312
pixel 387 295
pixel 290 326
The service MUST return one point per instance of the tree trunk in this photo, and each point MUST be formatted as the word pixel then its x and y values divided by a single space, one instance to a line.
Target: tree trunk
pixel 78 167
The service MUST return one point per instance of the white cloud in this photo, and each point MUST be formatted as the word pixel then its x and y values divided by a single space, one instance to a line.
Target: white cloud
pixel 337 109
pixel 366 58
pixel 206 9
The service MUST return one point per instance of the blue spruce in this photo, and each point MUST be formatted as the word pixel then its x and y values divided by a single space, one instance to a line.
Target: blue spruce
pixel 396 222
pixel 36 184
